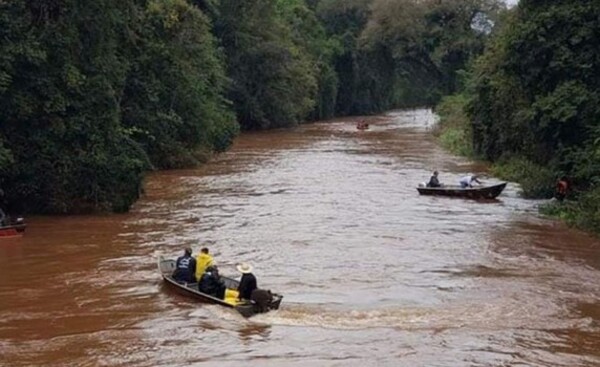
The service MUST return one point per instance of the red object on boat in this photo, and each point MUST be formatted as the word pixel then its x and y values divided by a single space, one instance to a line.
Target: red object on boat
pixel 15 229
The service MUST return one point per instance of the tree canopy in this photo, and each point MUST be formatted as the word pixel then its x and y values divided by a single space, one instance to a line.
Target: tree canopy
pixel 93 95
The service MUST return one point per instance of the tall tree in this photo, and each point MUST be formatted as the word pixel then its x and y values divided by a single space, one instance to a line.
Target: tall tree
pixel 60 81
pixel 536 88
pixel 173 102
pixel 429 41
pixel 273 83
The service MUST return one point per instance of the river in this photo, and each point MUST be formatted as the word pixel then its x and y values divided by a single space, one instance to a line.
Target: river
pixel 372 273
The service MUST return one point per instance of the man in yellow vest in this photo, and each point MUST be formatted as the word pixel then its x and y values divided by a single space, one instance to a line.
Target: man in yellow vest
pixel 203 261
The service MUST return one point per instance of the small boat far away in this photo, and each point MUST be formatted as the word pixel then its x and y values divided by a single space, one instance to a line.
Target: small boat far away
pixel 15 228
pixel 483 192
pixel 245 308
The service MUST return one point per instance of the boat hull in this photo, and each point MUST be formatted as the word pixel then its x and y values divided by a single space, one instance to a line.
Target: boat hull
pixel 15 230
pixel 246 309
pixel 488 192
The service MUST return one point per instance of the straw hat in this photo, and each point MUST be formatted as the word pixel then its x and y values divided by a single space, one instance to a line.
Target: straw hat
pixel 244 268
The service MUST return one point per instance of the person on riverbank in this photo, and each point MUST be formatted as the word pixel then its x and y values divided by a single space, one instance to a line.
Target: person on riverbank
pixel 203 261
pixel 467 181
pixel 3 216
pixel 247 282
pixel 433 181
pixel 185 267
pixel 562 188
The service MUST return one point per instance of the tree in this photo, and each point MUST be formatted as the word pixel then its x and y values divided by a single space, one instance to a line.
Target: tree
pixel 173 102
pixel 61 76
pixel 273 83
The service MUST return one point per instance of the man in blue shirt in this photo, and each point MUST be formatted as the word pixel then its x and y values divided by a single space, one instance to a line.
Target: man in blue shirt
pixel 185 268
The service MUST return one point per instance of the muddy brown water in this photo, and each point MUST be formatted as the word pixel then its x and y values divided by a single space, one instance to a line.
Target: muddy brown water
pixel 372 273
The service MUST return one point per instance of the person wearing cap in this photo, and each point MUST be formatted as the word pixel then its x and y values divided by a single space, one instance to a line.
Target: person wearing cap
pixel 185 267
pixel 467 181
pixel 203 261
pixel 210 283
pixel 433 181
pixel 247 282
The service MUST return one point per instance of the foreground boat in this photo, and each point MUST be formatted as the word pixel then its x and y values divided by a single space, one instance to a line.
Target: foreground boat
pixel 486 192
pixel 246 309
pixel 16 228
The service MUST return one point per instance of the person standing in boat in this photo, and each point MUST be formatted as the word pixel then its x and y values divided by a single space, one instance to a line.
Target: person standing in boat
pixel 247 283
pixel 433 181
pixel 203 261
pixel 467 181
pixel 210 283
pixel 185 267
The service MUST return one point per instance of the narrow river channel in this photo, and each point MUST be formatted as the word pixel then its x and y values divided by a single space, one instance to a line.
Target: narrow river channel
pixel 372 273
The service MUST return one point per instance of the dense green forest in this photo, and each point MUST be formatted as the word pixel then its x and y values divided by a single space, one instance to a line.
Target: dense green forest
pixel 530 104
pixel 95 94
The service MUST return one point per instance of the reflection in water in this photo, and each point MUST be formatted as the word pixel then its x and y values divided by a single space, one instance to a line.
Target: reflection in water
pixel 372 273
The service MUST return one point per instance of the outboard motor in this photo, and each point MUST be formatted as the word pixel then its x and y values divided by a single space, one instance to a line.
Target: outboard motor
pixel 261 298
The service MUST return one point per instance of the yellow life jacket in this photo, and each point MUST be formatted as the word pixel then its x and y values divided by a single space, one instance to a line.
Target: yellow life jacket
pixel 203 261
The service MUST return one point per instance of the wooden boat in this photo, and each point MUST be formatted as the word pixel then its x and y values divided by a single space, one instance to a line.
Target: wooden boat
pixel 484 192
pixel 14 229
pixel 246 309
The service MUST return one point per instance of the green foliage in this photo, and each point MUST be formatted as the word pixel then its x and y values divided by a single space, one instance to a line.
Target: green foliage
pixel 427 43
pixel 454 127
pixel 274 83
pixel 173 100
pixel 59 108
pixel 88 92
pixel 310 37
pixel 94 94
pixel 536 89
pixel 583 213
pixel 536 181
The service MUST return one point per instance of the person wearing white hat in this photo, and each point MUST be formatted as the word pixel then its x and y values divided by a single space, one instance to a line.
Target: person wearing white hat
pixel 247 283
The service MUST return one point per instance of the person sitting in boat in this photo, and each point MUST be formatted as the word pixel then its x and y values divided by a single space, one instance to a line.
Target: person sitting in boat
pixel 433 181
pixel 203 261
pixel 247 282
pixel 467 181
pixel 362 125
pixel 185 267
pixel 211 283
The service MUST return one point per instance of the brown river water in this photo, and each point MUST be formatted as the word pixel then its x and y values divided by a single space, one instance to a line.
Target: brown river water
pixel 372 273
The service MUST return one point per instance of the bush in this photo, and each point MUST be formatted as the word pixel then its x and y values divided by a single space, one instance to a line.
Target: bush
pixel 583 213
pixel 536 181
pixel 454 128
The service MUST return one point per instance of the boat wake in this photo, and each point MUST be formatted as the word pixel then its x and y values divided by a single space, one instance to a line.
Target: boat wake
pixel 477 317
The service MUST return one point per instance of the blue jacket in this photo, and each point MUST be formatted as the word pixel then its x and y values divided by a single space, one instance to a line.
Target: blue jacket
pixel 185 269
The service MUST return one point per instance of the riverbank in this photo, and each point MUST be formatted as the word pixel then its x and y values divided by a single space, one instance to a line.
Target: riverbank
pixel 454 132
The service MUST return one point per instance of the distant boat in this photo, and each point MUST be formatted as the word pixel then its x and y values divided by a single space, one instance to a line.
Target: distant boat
pixel 246 309
pixel 16 228
pixel 481 192
pixel 362 125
